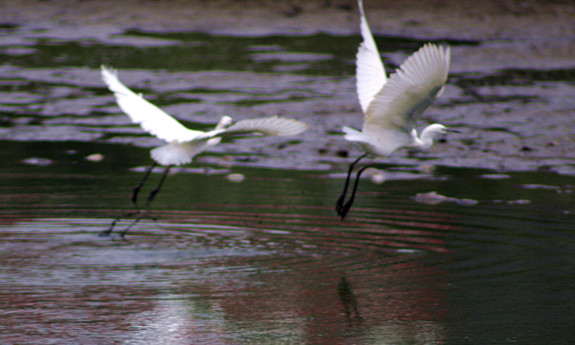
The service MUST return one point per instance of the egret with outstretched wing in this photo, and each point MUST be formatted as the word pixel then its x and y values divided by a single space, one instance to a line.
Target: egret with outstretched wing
pixel 183 144
pixel 393 105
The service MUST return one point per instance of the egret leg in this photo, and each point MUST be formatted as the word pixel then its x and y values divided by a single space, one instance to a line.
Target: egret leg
pixel 348 204
pixel 141 184
pixel 153 193
pixel 111 228
pixel 136 221
pixel 339 203
pixel 126 215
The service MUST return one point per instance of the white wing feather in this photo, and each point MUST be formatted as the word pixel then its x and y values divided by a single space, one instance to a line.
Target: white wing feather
pixel 370 73
pixel 152 119
pixel 271 126
pixel 409 91
pixel 183 153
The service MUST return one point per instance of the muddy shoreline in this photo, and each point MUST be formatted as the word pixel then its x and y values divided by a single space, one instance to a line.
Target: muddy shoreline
pixel 510 89
pixel 534 20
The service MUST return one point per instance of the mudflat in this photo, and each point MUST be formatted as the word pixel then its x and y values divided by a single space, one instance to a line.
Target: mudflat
pixel 510 89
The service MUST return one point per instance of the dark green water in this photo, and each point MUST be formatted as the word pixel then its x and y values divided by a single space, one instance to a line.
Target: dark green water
pixel 264 260
pixel 267 261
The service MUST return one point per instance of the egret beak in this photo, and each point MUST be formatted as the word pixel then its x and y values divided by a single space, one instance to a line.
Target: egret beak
pixel 449 130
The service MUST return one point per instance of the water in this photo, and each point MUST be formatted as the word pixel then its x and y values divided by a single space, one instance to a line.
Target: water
pixel 266 260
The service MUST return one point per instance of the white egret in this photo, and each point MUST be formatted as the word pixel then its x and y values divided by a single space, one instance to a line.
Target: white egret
pixel 184 144
pixel 393 105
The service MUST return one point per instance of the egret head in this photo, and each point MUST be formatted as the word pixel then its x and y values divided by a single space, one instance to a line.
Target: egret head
pixel 433 131
pixel 437 129
pixel 224 122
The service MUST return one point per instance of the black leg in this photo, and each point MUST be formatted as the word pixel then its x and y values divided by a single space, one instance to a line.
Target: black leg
pixel 111 228
pixel 136 221
pixel 139 186
pixel 153 193
pixel 348 204
pixel 135 202
pixel 339 203
pixel 126 215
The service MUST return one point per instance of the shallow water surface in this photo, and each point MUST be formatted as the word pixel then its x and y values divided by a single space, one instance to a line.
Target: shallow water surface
pixel 471 242
pixel 266 260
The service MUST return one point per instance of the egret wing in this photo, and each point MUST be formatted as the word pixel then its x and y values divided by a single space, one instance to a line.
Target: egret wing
pixel 409 91
pixel 370 73
pixel 271 126
pixel 152 119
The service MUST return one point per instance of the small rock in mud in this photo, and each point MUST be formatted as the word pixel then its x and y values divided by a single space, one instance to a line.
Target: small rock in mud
pixel 236 177
pixel 432 198
pixel 37 161
pixel 95 157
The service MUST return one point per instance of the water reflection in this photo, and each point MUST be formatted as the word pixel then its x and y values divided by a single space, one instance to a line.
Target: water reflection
pixel 221 291
pixel 281 268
